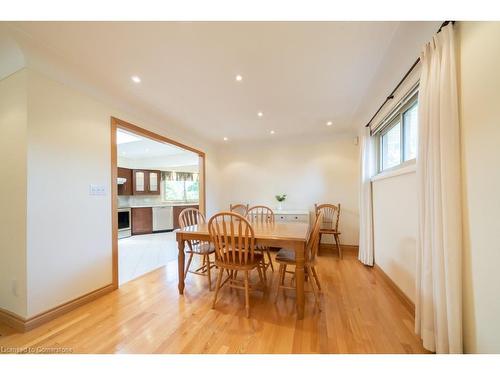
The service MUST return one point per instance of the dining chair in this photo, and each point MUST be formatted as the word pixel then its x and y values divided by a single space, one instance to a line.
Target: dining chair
pixel 234 241
pixel 239 208
pixel 187 218
pixel 330 223
pixel 286 258
pixel 262 214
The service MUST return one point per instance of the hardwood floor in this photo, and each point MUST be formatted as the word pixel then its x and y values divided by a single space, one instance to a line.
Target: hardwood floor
pixel 360 314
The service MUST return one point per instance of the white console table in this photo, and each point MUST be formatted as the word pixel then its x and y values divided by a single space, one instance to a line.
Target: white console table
pixel 300 216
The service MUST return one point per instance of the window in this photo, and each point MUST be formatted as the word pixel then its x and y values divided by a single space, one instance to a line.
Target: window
pixel 410 118
pixel 180 186
pixel 391 146
pixel 398 139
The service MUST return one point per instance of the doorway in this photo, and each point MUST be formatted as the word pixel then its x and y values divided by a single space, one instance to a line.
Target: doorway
pixel 152 178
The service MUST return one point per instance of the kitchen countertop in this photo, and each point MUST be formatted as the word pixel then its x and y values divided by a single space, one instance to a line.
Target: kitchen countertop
pixel 158 205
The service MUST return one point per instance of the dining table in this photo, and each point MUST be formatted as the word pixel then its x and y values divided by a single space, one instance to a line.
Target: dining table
pixel 292 236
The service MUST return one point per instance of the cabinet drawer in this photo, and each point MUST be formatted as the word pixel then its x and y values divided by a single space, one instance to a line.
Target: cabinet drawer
pixel 298 218
pixel 280 218
pixel 288 218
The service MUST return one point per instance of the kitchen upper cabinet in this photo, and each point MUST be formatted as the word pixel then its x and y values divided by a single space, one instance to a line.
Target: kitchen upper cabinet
pixel 139 182
pixel 146 182
pixel 154 182
pixel 142 220
pixel 126 187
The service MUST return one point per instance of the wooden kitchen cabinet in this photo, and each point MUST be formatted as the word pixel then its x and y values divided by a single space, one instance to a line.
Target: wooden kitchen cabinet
pixel 146 182
pixel 177 210
pixel 126 188
pixel 142 220
pixel 154 182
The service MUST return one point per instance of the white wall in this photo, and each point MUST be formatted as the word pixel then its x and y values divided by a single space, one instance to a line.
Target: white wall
pixel 68 231
pixel 395 198
pixel 311 170
pixel 13 122
pixel 480 121
pixel 395 228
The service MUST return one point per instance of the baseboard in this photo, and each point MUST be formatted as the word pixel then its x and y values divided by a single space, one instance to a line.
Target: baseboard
pixel 407 303
pixel 345 248
pixel 12 320
pixel 24 325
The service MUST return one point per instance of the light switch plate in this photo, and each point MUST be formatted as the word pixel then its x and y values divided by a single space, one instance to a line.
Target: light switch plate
pixel 95 189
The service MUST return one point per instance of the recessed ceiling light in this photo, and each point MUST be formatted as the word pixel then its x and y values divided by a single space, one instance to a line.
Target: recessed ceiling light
pixel 136 79
pixel 272 132
pixel 329 123
pixel 239 78
pixel 225 138
pixel 260 114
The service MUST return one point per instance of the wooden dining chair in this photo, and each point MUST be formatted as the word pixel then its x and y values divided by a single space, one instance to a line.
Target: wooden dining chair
pixel 286 258
pixel 330 222
pixel 262 214
pixel 234 241
pixel 239 208
pixel 187 218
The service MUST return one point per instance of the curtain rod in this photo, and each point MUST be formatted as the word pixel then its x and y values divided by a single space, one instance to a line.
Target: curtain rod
pixel 391 95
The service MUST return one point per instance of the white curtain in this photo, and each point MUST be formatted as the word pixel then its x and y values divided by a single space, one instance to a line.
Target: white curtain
pixel 438 315
pixel 368 170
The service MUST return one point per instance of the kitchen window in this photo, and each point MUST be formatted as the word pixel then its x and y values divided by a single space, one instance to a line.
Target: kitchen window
pixel 180 186
pixel 398 138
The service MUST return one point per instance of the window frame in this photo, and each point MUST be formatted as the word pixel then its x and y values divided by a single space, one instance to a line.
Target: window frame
pixel 395 117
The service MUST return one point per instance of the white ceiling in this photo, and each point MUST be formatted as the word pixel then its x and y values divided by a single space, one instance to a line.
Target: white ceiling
pixel 139 148
pixel 299 74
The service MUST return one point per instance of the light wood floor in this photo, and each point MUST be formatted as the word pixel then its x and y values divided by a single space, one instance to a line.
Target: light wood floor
pixel 360 314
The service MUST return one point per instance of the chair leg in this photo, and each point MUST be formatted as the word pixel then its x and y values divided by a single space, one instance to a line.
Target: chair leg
pixel 316 278
pixel 261 278
pixel 319 242
pixel 313 287
pixel 264 268
pixel 270 259
pixel 188 265
pixel 217 287
pixel 209 272
pixel 247 295
pixel 337 242
pixel 280 281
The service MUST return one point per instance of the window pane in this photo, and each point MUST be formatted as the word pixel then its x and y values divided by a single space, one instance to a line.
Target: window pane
pixel 391 147
pixel 192 190
pixel 410 120
pixel 174 190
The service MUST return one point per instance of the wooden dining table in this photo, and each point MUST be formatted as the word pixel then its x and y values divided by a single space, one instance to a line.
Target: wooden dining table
pixel 292 236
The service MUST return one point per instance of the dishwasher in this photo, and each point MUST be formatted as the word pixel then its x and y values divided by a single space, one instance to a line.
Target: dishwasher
pixel 163 218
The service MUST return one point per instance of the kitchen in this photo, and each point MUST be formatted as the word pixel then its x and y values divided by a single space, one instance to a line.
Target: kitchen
pixel 156 181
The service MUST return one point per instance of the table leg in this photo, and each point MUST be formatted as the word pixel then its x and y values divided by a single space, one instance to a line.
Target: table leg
pixel 299 278
pixel 180 263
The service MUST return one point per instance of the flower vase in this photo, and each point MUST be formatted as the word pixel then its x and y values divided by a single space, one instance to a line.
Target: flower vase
pixel 280 206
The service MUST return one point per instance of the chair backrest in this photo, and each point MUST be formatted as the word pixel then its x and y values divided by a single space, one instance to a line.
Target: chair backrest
pixel 260 214
pixel 190 216
pixel 233 238
pixel 239 208
pixel 313 242
pixel 331 215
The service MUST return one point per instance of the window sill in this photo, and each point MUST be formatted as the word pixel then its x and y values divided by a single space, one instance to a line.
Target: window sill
pixel 405 168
